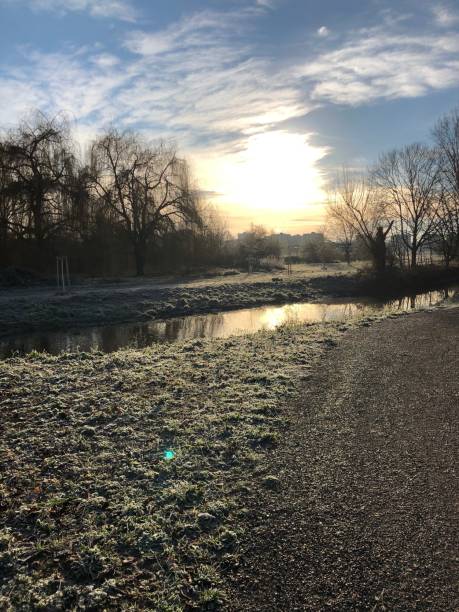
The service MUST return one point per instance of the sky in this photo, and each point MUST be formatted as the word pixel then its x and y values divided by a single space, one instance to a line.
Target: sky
pixel 267 99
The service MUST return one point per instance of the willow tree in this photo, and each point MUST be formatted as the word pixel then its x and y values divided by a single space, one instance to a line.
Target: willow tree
pixel 37 157
pixel 356 208
pixel 146 188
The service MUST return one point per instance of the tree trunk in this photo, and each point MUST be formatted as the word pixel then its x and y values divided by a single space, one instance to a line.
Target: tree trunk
pixel 38 224
pixel 3 243
pixel 379 251
pixel 139 254
pixel 347 255
pixel 414 256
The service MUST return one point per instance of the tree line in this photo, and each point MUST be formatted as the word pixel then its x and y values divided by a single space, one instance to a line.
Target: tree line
pixel 125 203
pixel 405 205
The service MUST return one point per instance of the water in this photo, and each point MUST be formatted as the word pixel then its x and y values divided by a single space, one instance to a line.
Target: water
pixel 219 325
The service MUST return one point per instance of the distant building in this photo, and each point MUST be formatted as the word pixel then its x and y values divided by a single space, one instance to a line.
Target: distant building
pixel 290 244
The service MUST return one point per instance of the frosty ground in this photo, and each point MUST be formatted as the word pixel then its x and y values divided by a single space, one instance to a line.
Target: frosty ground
pixel 97 302
pixel 126 477
pixel 93 512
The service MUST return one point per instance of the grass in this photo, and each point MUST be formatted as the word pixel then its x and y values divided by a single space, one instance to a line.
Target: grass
pixel 23 311
pixel 124 475
pixel 131 301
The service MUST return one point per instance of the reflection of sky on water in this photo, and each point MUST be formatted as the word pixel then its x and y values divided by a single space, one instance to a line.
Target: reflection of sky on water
pixel 220 325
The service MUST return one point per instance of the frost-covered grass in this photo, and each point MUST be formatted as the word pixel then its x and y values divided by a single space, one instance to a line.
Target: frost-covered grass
pixel 131 301
pixel 124 475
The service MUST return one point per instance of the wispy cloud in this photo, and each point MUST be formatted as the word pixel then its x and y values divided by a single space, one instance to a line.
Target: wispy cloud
pixel 201 72
pixel 115 9
pixel 200 79
pixel 445 16
pixel 266 3
pixel 380 63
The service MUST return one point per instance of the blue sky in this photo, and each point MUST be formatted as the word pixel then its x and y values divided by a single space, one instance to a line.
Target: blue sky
pixel 252 91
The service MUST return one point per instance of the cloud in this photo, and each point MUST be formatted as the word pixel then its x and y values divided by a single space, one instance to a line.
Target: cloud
pixel 114 9
pixel 444 16
pixel 200 73
pixel 74 83
pixel 197 81
pixel 377 63
pixel 323 32
pixel 201 82
pixel 25 95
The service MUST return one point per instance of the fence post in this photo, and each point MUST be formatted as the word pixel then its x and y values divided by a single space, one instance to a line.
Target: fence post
pixel 62 271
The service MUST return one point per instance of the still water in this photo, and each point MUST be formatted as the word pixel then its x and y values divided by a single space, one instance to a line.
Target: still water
pixel 215 325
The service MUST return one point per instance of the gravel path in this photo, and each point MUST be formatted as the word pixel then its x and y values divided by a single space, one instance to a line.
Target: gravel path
pixel 366 518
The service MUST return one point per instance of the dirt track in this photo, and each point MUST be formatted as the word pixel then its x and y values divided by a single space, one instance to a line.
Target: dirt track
pixel 366 518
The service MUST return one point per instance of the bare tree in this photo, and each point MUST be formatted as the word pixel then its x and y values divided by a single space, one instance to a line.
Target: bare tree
pixel 446 136
pixel 147 188
pixel 355 206
pixel 36 158
pixel 409 179
pixel 256 244
pixel 344 234
pixel 447 226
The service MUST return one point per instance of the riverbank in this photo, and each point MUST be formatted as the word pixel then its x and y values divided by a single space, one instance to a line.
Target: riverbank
pixel 127 478
pixel 93 304
pixel 31 310
pixel 124 475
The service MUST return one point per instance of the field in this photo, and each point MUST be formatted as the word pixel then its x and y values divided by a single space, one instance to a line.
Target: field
pixel 99 303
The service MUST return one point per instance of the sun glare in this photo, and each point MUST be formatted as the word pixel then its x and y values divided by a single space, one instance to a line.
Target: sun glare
pixel 276 173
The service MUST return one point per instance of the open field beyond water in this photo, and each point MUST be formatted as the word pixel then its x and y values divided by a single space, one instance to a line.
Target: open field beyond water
pixel 95 303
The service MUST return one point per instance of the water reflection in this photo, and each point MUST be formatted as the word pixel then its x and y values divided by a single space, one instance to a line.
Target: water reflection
pixel 221 325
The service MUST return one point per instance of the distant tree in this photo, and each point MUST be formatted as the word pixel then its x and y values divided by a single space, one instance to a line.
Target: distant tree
pixel 408 179
pixel 318 249
pixel 446 231
pixel 344 235
pixel 147 188
pixel 79 206
pixel 211 236
pixel 258 243
pixel 37 157
pixel 313 248
pixel 355 205
pixel 446 136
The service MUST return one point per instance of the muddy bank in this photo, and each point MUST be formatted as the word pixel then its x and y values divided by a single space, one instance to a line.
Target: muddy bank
pixel 390 284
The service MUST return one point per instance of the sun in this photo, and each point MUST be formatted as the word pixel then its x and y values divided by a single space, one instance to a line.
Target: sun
pixel 275 173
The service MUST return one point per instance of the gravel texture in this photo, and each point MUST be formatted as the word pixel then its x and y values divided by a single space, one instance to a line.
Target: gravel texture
pixel 365 514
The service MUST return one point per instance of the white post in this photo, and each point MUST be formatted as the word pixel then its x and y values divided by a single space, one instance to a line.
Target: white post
pixel 63 275
pixel 67 270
